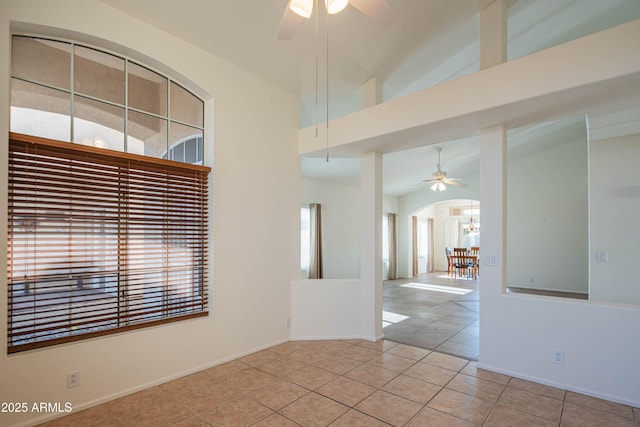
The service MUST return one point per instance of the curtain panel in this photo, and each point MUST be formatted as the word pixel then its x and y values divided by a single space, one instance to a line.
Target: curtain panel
pixel 393 251
pixel 315 248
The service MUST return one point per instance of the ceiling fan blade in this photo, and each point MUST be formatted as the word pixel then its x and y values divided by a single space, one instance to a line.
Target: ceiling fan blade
pixel 379 10
pixel 455 183
pixel 289 24
pixel 430 181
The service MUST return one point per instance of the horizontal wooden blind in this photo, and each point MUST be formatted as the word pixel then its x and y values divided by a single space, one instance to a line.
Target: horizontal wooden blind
pixel 101 241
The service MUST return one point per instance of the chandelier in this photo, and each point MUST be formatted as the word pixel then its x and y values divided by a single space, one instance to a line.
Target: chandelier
pixel 472 226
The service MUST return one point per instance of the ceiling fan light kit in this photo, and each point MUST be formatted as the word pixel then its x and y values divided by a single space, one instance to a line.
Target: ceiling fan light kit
pixel 438 186
pixel 440 178
pixel 304 8
pixel 335 6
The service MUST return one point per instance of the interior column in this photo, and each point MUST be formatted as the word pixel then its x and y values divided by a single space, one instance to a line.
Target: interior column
pixel 493 172
pixel 371 245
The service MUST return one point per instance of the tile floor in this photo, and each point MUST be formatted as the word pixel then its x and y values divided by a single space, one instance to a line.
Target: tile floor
pixel 435 312
pixel 352 383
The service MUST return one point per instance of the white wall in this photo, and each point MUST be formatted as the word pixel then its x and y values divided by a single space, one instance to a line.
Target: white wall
pixel 518 333
pixel 341 219
pixel 340 226
pixel 614 207
pixel 547 228
pixel 255 220
pixel 326 309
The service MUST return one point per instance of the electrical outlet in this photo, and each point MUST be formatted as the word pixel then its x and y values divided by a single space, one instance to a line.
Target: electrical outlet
pixel 73 379
pixel 558 357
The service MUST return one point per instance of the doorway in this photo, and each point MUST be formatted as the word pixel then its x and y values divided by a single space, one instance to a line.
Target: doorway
pixel 435 310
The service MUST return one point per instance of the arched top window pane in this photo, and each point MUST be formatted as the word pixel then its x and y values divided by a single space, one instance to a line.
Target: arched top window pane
pixel 186 107
pixel 40 111
pixel 98 74
pixel 42 61
pixel 98 124
pixel 147 90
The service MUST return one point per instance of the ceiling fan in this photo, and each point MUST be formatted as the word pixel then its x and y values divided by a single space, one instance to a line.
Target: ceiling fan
pixel 298 10
pixel 440 178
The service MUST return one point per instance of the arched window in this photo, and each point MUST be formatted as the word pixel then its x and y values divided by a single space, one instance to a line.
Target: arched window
pixel 108 225
pixel 70 92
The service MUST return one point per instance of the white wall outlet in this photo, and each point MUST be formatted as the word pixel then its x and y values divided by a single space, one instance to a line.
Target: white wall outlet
pixel 73 379
pixel 558 356
pixel 288 322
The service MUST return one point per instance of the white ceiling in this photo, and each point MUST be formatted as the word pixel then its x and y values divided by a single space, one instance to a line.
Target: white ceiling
pixel 431 41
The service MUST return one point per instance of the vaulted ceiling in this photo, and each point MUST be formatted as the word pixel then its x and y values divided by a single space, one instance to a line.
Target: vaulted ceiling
pixel 430 42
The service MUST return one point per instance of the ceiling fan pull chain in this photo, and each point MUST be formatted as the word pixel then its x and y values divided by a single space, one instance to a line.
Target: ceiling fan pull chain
pixel 327 133
pixel 317 51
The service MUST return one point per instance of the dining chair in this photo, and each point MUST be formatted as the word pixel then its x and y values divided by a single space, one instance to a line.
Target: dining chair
pixel 475 251
pixel 463 261
pixel 450 263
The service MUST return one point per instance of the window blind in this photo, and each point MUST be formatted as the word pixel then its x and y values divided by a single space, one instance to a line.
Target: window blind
pixel 101 241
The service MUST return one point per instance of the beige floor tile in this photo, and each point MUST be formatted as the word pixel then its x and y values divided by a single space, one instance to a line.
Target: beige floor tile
pixel 482 389
pixel 225 370
pixel 194 421
pixel 308 356
pixel 374 376
pixel 310 377
pixel 429 417
pixel 136 402
pixel 600 405
pixel 206 399
pixel 281 367
pixel 411 388
pixel 380 345
pixel 430 373
pixel 536 388
pixel 252 379
pixel 314 410
pixel 96 416
pixel 337 364
pixel 445 361
pixel 359 353
pixel 503 416
pixel 168 413
pixel 335 346
pixel 345 390
pixel 409 352
pixel 275 420
pixel 392 362
pixel 279 394
pixel 532 403
pixel 261 357
pixel 461 405
pixel 580 416
pixel 355 418
pixel 289 347
pixel 473 370
pixel 238 411
pixel 388 407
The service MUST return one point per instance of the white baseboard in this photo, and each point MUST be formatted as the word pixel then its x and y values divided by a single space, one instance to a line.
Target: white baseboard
pixel 592 393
